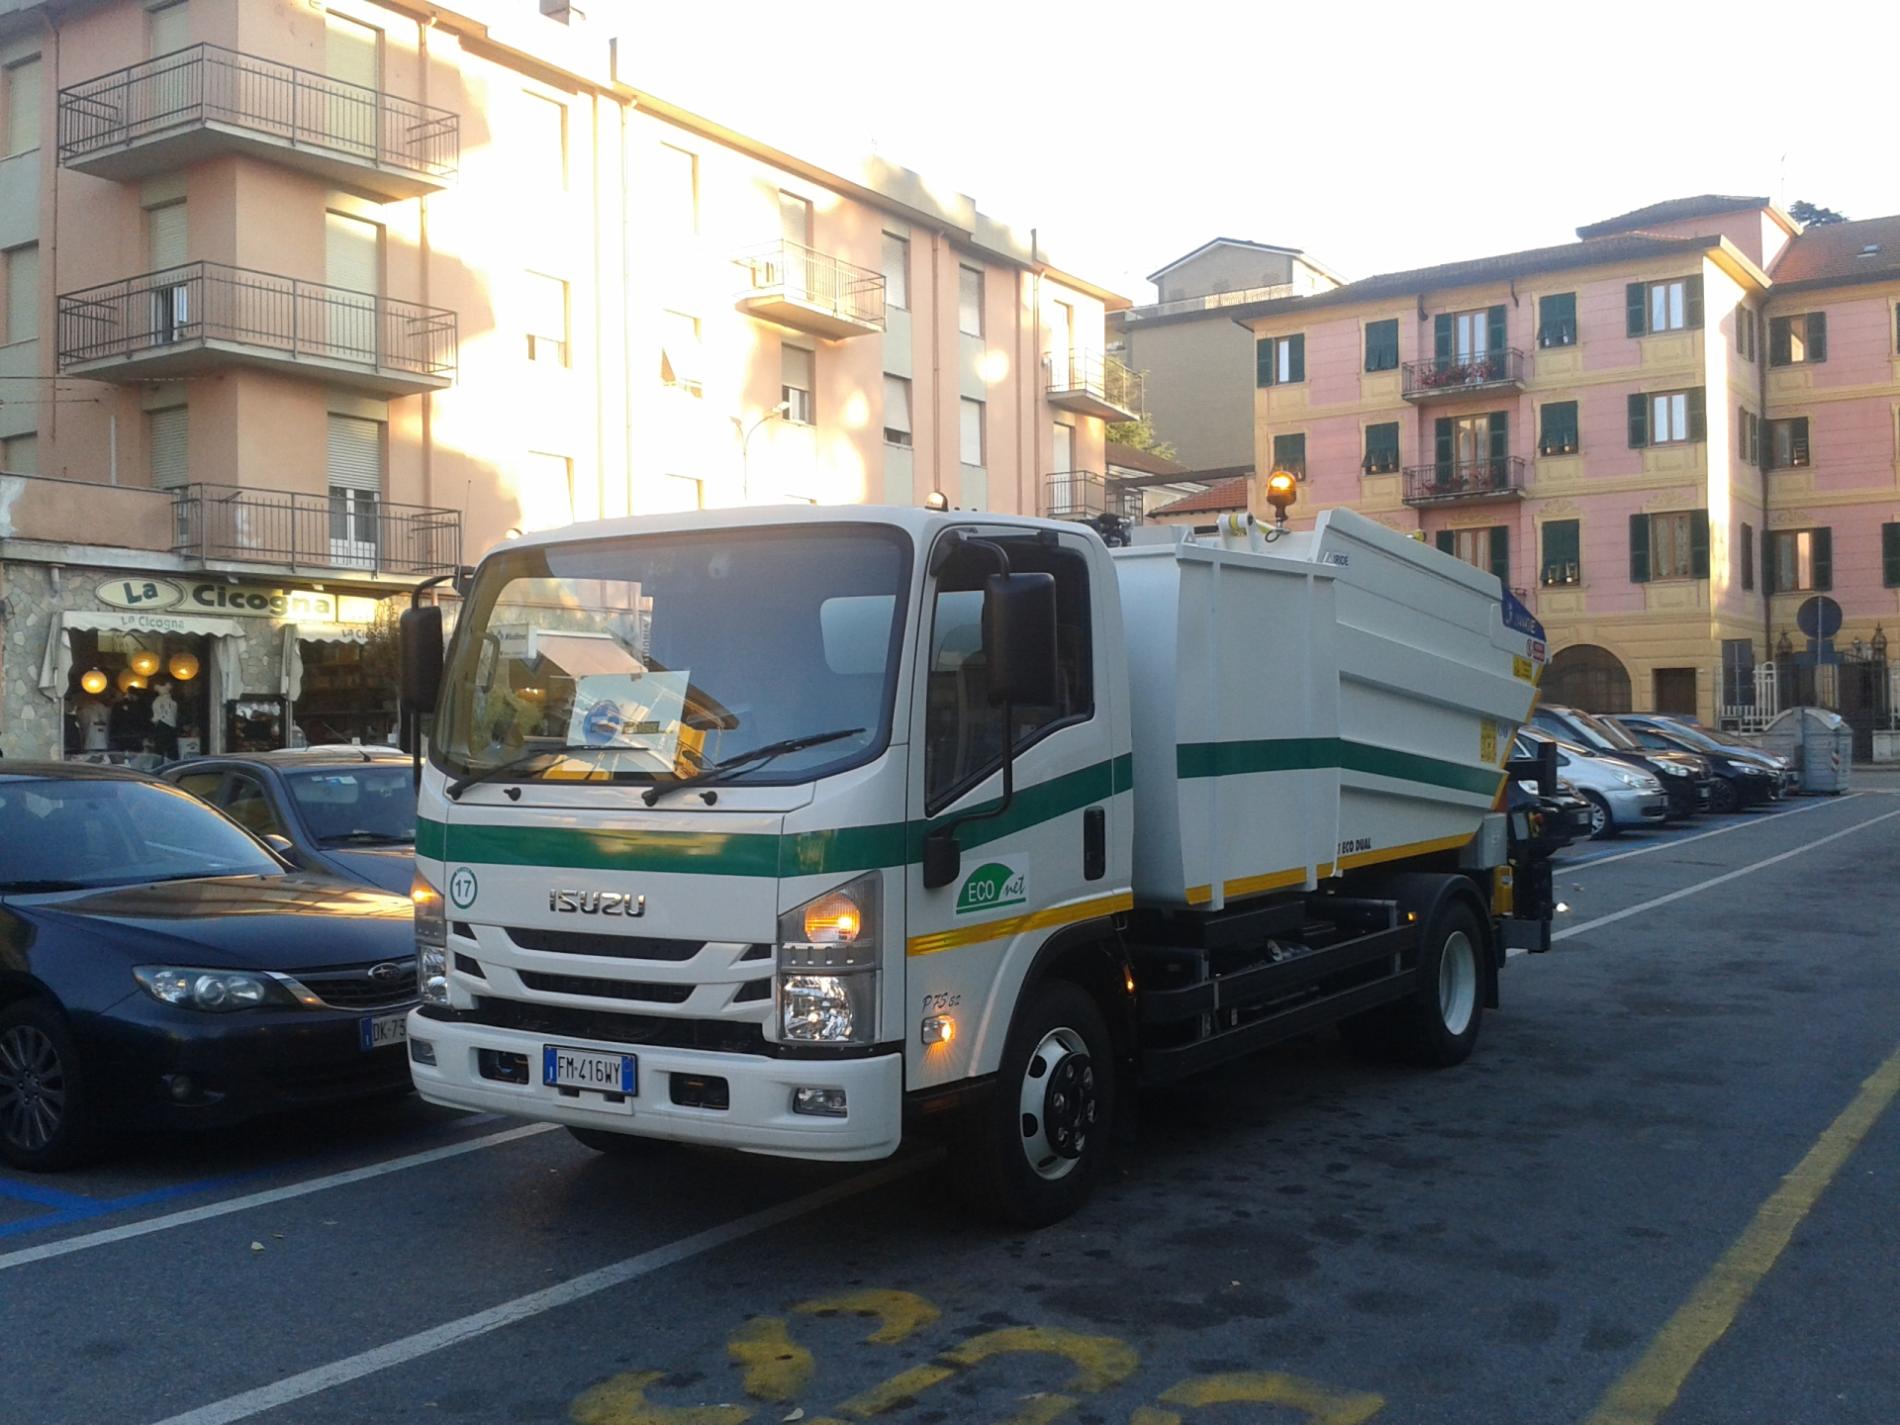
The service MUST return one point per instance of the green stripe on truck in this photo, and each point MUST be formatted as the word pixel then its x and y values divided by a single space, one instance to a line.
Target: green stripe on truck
pixel 1297 754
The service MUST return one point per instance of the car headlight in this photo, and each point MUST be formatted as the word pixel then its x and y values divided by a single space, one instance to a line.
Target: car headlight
pixel 827 982
pixel 218 991
pixel 1629 779
pixel 1749 769
pixel 1675 769
pixel 432 942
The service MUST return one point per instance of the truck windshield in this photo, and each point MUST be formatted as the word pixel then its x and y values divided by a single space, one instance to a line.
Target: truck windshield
pixel 671 652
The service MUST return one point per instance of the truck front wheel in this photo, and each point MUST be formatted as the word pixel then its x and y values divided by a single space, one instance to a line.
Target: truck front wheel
pixel 1439 1023
pixel 1037 1143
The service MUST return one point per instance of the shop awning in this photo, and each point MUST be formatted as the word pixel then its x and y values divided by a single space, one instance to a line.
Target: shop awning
pixel 290 674
pixel 57 666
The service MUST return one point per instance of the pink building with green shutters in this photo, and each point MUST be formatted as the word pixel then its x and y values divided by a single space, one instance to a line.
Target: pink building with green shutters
pixel 1669 437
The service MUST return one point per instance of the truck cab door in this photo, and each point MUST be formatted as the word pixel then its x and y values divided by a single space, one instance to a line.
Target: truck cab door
pixel 1058 856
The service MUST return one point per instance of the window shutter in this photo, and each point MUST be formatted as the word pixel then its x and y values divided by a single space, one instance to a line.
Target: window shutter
pixel 1745 546
pixel 354 456
pixel 1441 337
pixel 1561 546
pixel 1741 331
pixel 1890 555
pixel 1768 561
pixel 1296 358
pixel 1500 447
pixel 1263 361
pixel 1441 448
pixel 1639 549
pixel 166 431
pixel 1501 553
pixel 1494 329
pixel 1799 452
pixel 1699 544
pixel 1780 346
pixel 1823 549
pixel 1635 308
pixel 22 272
pixel 165 236
pixel 1446 541
pixel 1692 301
pixel 1698 414
pixel 1817 336
pixel 1639 421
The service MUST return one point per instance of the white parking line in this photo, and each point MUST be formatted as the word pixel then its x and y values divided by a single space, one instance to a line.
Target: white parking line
pixel 1714 881
pixel 1705 835
pixel 467 1328
pixel 68 1245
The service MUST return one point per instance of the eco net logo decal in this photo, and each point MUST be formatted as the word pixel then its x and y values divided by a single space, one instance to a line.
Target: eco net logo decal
pixel 992 887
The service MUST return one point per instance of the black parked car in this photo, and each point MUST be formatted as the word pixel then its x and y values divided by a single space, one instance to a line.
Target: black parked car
pixel 1743 776
pixel 1686 778
pixel 342 811
pixel 161 968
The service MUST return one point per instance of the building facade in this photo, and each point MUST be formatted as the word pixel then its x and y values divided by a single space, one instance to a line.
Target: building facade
pixel 311 304
pixel 1628 430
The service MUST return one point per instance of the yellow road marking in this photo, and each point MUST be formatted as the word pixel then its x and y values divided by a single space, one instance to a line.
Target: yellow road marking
pixel 899 1313
pixel 623 1401
pixel 1321 1405
pixel 1016 924
pixel 1650 1387
pixel 775 1366
pixel 1100 1361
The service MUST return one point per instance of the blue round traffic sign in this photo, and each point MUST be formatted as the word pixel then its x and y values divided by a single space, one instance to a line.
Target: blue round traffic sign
pixel 1818 617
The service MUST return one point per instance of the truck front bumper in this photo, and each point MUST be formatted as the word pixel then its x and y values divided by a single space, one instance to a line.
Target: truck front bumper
pixel 758 1117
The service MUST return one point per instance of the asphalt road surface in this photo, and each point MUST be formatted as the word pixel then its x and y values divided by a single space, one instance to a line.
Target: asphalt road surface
pixel 1662 1190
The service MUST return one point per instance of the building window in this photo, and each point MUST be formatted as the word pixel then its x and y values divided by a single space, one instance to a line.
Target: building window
pixel 1747 557
pixel 1289 453
pixel 1747 332
pixel 1279 360
pixel 546 495
pixel 165 448
pixel 20 454
pixel 680 352
pixel 795 382
pixel 1563 560
pixel 1667 418
pixel 1787 443
pixel 970 432
pixel 1557 434
pixel 1488 549
pixel 1472 453
pixel 896 410
pixel 1797 341
pixel 547 320
pixel 1748 431
pixel 20 271
pixel 21 81
pixel 896 271
pixel 1557 319
pixel 970 301
pixel 1382 345
pixel 1798 560
pixel 679 193
pixel 1675 305
pixel 1669 546
pixel 1464 339
pixel 1382 449
pixel 1890 556
pixel 353 460
pixel 544 141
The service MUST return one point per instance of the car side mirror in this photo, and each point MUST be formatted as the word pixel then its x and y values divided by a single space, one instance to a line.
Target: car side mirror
pixel 283 847
pixel 1019 637
pixel 421 636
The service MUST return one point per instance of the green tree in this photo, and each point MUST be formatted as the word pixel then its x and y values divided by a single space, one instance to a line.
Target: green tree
pixel 1140 435
pixel 1811 215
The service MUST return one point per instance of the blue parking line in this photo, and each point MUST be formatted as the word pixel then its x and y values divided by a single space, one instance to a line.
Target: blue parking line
pixel 45 1196
pixel 69 1208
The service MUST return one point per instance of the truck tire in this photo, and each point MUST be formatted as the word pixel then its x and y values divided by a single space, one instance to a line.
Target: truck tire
pixel 1437 1025
pixel 1036 1144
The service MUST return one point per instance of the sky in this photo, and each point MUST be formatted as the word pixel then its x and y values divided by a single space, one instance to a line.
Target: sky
pixel 1375 137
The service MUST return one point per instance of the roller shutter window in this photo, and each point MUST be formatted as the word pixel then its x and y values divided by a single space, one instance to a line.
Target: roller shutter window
pixel 174 89
pixel 352 272
pixel 20 454
pixel 166 447
pixel 170 28
pixel 354 464
pixel 22 276
pixel 165 230
pixel 350 107
pixel 21 80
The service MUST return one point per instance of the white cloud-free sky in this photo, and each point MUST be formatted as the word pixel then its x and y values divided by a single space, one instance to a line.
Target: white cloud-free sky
pixel 1375 136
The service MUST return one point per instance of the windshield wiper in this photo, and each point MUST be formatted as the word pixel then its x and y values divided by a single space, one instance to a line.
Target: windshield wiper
pixel 766 753
pixel 489 774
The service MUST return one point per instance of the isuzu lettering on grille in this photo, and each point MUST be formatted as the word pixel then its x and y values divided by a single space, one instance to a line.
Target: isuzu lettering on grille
pixel 597 903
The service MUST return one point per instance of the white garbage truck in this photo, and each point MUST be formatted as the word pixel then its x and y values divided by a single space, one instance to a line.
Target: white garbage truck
pixel 785 830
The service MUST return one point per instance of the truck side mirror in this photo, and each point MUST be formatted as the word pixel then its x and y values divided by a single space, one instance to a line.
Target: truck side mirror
pixel 1019 637
pixel 421 636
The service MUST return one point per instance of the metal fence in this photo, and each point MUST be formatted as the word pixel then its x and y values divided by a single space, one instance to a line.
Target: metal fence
pixel 1464 479
pixel 1103 377
pixel 817 279
pixel 347 529
pixel 210 84
pixel 1087 494
pixel 1449 375
pixel 208 301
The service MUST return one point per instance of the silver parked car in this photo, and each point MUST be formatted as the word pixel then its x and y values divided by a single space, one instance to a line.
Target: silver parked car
pixel 1621 795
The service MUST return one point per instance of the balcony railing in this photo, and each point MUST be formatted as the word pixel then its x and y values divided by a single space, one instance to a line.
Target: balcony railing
pixel 810 291
pixel 203 99
pixel 204 314
pixel 1088 495
pixel 1499 477
pixel 1449 377
pixel 347 529
pixel 1093 384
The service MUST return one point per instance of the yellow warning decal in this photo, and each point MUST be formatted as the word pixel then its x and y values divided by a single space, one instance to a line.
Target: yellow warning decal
pixel 1523 667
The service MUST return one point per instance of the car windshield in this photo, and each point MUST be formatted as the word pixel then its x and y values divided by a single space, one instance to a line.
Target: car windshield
pixel 82 834
pixel 357 805
pixel 673 652
pixel 1676 732
pixel 1608 733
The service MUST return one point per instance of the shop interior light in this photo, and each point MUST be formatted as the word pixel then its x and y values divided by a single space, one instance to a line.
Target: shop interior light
pixel 129 680
pixel 144 663
pixel 94 681
pixel 183 666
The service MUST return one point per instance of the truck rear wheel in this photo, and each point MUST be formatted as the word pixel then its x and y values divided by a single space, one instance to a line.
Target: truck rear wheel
pixel 1036 1145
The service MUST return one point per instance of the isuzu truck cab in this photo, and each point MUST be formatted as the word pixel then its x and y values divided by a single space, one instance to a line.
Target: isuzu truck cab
pixel 784 830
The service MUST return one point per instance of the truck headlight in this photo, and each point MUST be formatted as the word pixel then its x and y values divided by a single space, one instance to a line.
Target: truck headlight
pixel 827 982
pixel 432 942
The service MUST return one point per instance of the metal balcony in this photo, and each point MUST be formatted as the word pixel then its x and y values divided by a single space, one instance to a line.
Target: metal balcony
pixel 183 107
pixel 350 531
pixel 1087 495
pixel 1500 478
pixel 810 291
pixel 204 315
pixel 1453 377
pixel 1092 384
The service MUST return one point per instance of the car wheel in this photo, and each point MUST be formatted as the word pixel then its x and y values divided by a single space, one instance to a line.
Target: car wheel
pixel 1037 1143
pixel 1723 797
pixel 1602 824
pixel 45 1116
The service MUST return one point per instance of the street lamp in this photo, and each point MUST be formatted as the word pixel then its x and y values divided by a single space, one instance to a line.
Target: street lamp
pixel 745 446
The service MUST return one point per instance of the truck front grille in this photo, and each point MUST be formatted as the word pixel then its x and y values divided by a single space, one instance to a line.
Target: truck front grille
pixel 559 1021
pixel 617 947
pixel 604 989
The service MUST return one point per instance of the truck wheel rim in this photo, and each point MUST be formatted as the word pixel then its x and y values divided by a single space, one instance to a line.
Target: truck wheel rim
pixel 32 1088
pixel 1457 983
pixel 1058 1105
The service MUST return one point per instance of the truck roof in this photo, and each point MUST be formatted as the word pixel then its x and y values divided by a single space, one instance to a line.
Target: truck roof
pixel 918 522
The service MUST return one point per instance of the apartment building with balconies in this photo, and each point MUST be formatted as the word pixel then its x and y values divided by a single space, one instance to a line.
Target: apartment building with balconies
pixel 305 305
